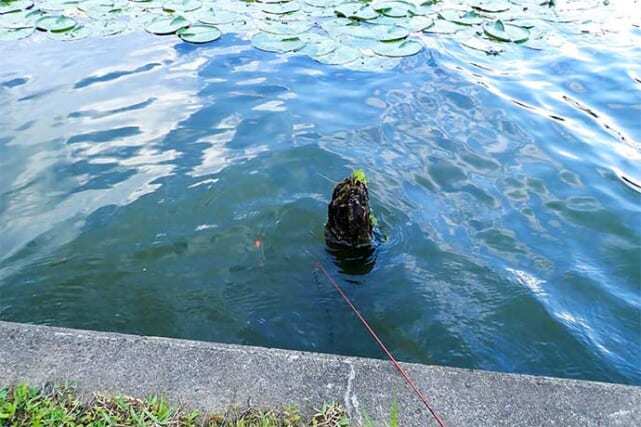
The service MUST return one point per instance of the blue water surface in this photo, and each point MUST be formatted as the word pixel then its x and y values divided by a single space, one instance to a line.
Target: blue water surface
pixel 149 186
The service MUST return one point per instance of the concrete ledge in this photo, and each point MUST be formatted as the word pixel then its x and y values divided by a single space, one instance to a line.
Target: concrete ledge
pixel 212 376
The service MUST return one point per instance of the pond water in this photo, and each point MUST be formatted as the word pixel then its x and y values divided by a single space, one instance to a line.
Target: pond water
pixel 149 186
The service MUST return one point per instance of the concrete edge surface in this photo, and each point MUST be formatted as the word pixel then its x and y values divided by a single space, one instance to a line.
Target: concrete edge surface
pixel 212 376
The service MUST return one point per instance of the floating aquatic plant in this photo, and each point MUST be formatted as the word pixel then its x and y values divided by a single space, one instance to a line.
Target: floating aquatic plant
pixel 492 6
pixel 199 33
pixel 462 18
pixel 11 34
pixel 76 33
pixel 14 6
pixel 56 24
pixel 359 34
pixel 398 48
pixel 356 10
pixel 506 32
pixel 166 25
pixel 277 43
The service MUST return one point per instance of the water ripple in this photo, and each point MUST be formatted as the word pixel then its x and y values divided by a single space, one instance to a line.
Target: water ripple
pixel 181 191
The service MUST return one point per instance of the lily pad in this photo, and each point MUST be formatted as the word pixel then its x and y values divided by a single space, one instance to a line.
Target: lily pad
pixel 322 3
pixel 337 28
pixel 418 23
pixel 425 10
pixel 22 19
pixel 101 9
pixel 482 45
pixel 355 10
pixel 365 31
pixel 396 9
pixel 524 23
pixel 142 20
pixel 467 18
pixel 442 26
pixel 235 27
pixel 148 4
pixel 237 6
pixel 166 25
pixel 76 33
pixel 280 8
pixel 11 34
pixel 199 33
pixel 55 23
pixel 317 45
pixel 14 6
pixel 336 22
pixel 217 17
pixel 286 28
pixel 506 32
pixel 360 43
pixel 57 5
pixel 492 6
pixel 387 33
pixel 342 55
pixel 106 28
pixel 387 20
pixel 277 43
pixel 398 49
pixel 181 6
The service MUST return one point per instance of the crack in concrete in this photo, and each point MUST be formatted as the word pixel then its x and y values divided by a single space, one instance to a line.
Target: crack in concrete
pixel 350 400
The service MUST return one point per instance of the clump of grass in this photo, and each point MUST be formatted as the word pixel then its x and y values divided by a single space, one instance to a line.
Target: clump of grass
pixel 330 414
pixel 22 405
pixel 287 417
pixel 60 406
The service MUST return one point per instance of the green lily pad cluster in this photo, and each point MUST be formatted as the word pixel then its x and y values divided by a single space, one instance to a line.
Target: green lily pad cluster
pixel 358 33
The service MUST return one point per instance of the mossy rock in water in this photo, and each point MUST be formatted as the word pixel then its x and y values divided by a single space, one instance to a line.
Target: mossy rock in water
pixel 349 221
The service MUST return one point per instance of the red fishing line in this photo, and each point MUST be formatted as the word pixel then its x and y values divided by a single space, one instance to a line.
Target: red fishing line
pixel 392 360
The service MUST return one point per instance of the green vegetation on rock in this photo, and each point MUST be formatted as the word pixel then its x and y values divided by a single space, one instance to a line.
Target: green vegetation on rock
pixel 359 176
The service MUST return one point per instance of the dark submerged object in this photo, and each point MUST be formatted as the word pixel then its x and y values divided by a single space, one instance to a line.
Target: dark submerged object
pixel 349 220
